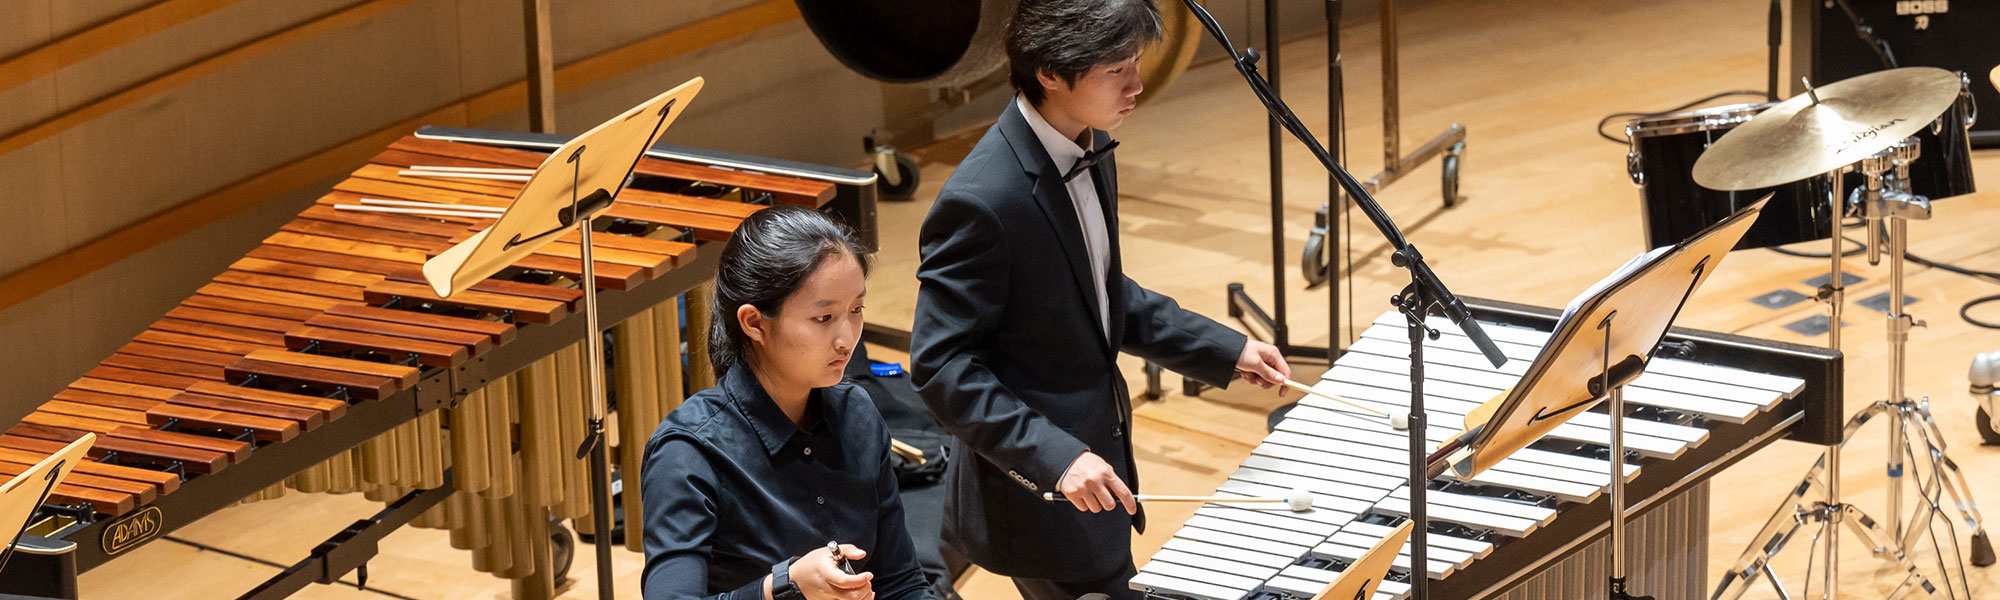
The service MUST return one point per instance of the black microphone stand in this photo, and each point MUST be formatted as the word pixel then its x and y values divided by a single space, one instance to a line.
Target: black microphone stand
pixel 1425 295
pixel 1867 36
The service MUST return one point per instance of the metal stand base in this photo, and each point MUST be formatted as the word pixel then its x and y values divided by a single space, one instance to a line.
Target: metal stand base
pixel 1814 502
pixel 1618 591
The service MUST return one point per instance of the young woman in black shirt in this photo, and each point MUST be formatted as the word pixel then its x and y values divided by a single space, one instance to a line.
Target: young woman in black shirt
pixel 747 485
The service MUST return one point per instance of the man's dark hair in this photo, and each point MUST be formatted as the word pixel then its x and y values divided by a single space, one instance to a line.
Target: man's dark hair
pixel 768 257
pixel 1068 37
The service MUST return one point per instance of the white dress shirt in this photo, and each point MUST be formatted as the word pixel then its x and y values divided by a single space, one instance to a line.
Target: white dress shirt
pixel 1083 193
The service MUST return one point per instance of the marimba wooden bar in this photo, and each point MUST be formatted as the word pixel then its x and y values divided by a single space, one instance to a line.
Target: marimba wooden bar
pixel 319 361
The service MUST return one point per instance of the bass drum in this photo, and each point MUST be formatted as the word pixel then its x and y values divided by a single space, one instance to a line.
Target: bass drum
pixel 1180 36
pixel 946 43
pixel 1661 162
pixel 957 43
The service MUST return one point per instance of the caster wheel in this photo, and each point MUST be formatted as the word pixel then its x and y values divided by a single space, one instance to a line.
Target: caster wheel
pixel 907 175
pixel 562 547
pixel 1190 387
pixel 1450 180
pixel 1313 261
pixel 1154 388
pixel 1984 421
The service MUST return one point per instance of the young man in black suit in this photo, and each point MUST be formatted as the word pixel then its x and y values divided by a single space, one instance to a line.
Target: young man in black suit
pixel 1023 307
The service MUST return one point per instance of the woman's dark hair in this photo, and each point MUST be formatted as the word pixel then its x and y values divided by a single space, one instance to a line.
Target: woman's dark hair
pixel 769 256
pixel 1068 37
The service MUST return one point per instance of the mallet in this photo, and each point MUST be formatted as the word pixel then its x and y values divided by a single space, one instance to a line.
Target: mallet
pixel 1298 500
pixel 1399 419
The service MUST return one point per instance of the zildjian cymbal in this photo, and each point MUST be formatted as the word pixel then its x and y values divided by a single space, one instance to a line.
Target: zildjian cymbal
pixel 1827 128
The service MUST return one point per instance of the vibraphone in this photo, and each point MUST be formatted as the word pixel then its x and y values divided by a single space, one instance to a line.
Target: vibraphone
pixel 321 362
pixel 1533 526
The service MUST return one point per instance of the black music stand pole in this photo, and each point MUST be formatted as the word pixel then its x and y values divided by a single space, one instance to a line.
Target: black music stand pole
pixel 1425 295
pixel 1412 304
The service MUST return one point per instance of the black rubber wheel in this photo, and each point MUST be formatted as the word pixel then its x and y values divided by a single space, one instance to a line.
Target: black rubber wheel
pixel 1450 180
pixel 1984 422
pixel 562 550
pixel 1154 388
pixel 907 177
pixel 1190 387
pixel 1313 261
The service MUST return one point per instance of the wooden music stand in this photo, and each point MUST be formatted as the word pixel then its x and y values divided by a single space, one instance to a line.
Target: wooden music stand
pixel 25 492
pixel 1359 580
pixel 1602 342
pixel 578 180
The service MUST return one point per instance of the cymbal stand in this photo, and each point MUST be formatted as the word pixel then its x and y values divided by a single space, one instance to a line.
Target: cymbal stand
pixel 1887 206
pixel 1815 501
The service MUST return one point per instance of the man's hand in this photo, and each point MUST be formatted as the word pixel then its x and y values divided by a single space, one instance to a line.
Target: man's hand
pixel 819 577
pixel 1091 485
pixel 1262 364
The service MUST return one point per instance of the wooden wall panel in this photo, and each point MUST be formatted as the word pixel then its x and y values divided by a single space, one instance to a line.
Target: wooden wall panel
pixel 315 94
pixel 26 25
pixel 31 207
pixel 774 93
pixel 27 104
pixel 126 166
pixel 586 28
pixel 39 355
pixel 491 46
pixel 71 16
pixel 262 113
pixel 147 57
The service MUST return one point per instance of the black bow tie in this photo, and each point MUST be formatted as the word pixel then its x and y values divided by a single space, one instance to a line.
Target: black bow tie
pixel 1089 160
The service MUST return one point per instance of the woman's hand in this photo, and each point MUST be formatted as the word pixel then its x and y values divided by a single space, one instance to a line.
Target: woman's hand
pixel 819 576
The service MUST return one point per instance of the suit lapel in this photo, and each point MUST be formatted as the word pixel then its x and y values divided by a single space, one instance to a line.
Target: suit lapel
pixel 1053 198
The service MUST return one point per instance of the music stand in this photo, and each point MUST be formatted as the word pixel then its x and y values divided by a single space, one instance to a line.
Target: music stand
pixel 577 181
pixel 25 492
pixel 1602 343
pixel 1360 579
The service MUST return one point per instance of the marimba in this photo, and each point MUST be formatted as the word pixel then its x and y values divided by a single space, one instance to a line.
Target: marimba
pixel 1532 526
pixel 321 362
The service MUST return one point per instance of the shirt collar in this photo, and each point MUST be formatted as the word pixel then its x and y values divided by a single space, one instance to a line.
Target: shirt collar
pixel 1064 151
pixel 769 422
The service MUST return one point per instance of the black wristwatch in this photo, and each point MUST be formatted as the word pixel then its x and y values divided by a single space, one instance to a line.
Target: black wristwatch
pixel 782 586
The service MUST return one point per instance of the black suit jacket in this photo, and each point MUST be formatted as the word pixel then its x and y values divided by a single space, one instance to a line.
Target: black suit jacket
pixel 1009 353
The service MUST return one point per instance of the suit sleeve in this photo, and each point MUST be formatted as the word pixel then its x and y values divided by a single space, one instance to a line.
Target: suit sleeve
pixel 962 288
pixel 1159 330
pixel 678 491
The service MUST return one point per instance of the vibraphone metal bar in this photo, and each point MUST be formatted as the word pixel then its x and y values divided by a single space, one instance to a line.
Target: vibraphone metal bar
pixel 1533 522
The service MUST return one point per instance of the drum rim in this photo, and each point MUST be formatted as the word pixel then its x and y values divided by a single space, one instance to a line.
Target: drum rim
pixel 1690 121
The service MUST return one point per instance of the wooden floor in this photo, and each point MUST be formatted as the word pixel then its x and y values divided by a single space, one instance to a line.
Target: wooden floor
pixel 1548 210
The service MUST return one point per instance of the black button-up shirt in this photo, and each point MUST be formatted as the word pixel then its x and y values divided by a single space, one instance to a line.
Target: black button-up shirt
pixel 732 488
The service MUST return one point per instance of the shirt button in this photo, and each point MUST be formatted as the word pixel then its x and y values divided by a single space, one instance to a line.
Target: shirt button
pixel 821 499
pixel 809 451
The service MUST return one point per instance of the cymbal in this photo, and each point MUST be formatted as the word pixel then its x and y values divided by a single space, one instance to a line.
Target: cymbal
pixel 1829 127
